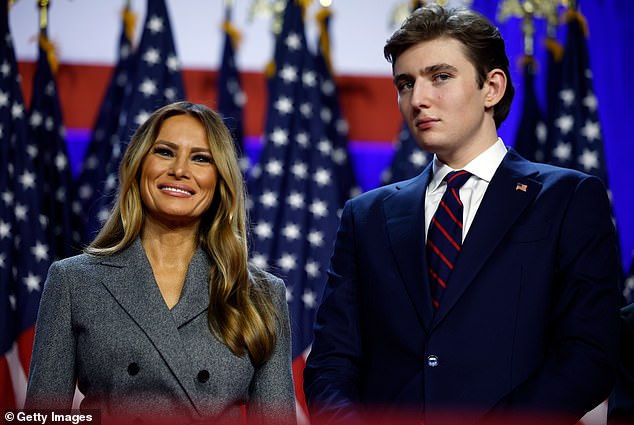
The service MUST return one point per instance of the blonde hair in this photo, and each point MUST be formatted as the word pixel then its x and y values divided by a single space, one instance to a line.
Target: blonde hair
pixel 241 312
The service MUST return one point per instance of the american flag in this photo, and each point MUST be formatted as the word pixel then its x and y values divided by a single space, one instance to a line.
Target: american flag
pixel 24 253
pixel 231 97
pixel 155 81
pixel 532 132
pixel 331 114
pixel 293 187
pixel 48 150
pixel 91 180
pixel 577 139
pixel 409 159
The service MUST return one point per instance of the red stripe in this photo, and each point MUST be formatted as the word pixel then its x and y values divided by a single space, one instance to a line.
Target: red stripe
pixel 7 398
pixel 444 232
pixel 442 257
pixel 459 173
pixel 25 347
pixel 453 217
pixel 299 363
pixel 455 195
pixel 437 278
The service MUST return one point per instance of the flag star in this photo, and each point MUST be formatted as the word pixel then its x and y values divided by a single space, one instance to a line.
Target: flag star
pixel 565 123
pixel 590 102
pixel 322 177
pixel 5 229
pixel 21 212
pixel 309 298
pixel 111 182
pixel 141 117
pixel 306 109
pixel 293 41
pixel 259 260
pixel 172 63
pixel 103 215
pixel 319 208
pixel 325 147
pixel 61 161
pixel 288 73
pixel 155 24
pixel 295 200
pixel 148 87
pixel 170 93
pixel 32 151
pixel 284 105
pixel 328 87
pixel 274 167
pixel 152 56
pixel 279 137
pixel 32 282
pixel 312 269
pixel 49 90
pixel 287 262
pixel 299 170
pixel 5 68
pixel 316 238
pixel 591 131
pixel 49 123
pixel 289 294
pixel 291 231
pixel 40 251
pixel 36 119
pixel 268 199
pixel 27 180
pixel 541 131
pixel 309 78
pixel 562 151
pixel 4 99
pixel 567 96
pixel 2 261
pixel 326 114
pixel 7 197
pixel 339 155
pixel 302 139
pixel 263 230
pixel 418 158
pixel 17 110
pixel 589 159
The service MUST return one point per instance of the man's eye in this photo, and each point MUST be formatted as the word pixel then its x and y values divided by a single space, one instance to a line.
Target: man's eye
pixel 404 85
pixel 442 77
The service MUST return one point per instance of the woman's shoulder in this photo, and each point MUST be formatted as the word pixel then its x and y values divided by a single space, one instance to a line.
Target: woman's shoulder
pixel 266 279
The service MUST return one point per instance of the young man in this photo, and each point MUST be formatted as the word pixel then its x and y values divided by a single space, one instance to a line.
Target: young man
pixel 487 285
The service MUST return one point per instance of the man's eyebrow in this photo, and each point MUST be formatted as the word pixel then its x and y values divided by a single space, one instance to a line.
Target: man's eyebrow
pixel 439 67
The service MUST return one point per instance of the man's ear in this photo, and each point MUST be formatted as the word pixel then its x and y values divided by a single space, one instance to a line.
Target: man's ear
pixel 494 87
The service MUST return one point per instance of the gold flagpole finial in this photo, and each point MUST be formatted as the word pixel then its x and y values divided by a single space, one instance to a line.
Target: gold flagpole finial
pixel 43 4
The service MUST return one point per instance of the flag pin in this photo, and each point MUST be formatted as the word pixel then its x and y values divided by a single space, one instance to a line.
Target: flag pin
pixel 521 186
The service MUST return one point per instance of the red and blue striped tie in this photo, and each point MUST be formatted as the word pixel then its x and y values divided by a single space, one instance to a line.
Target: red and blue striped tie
pixel 444 239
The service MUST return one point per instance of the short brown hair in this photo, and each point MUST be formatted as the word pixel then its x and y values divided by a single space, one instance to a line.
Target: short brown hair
pixel 484 46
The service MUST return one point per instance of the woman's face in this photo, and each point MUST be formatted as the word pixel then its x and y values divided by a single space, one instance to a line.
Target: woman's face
pixel 178 175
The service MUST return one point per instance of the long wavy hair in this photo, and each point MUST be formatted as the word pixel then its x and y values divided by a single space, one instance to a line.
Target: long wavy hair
pixel 241 312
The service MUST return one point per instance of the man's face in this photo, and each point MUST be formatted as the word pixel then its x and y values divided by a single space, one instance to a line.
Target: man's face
pixel 439 98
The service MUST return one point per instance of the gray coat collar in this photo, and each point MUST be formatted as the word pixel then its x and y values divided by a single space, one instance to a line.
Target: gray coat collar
pixel 128 277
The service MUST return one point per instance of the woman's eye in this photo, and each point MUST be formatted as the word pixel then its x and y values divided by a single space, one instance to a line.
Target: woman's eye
pixel 162 151
pixel 203 159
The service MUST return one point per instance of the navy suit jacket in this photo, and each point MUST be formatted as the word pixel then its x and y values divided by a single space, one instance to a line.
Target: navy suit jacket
pixel 528 321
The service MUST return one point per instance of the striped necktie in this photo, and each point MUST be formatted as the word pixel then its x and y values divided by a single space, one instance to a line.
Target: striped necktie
pixel 444 239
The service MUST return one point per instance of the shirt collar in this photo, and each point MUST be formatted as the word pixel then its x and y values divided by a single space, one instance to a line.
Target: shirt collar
pixel 482 166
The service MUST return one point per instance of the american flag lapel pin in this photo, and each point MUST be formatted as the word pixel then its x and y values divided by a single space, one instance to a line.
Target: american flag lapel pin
pixel 521 186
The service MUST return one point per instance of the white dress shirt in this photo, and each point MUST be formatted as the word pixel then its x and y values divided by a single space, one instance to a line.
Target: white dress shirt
pixel 482 168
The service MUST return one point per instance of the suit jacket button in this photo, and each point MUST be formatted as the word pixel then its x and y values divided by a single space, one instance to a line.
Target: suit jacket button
pixel 133 369
pixel 432 361
pixel 203 376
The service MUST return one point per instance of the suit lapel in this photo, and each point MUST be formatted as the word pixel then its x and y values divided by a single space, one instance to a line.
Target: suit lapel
pixel 405 219
pixel 194 299
pixel 130 280
pixel 510 191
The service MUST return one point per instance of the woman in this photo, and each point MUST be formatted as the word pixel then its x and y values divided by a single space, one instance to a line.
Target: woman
pixel 161 315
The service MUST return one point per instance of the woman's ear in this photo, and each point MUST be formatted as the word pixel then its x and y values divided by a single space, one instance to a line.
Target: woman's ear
pixel 494 86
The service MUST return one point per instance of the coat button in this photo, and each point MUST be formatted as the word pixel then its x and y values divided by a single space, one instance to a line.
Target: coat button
pixel 203 376
pixel 133 369
pixel 432 361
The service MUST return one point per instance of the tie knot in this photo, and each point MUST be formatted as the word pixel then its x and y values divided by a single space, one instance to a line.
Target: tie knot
pixel 456 179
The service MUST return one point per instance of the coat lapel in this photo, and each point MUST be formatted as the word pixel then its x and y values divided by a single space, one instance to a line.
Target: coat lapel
pixel 405 219
pixel 194 299
pixel 130 280
pixel 510 191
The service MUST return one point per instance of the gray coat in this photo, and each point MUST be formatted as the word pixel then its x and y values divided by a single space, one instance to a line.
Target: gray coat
pixel 104 325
